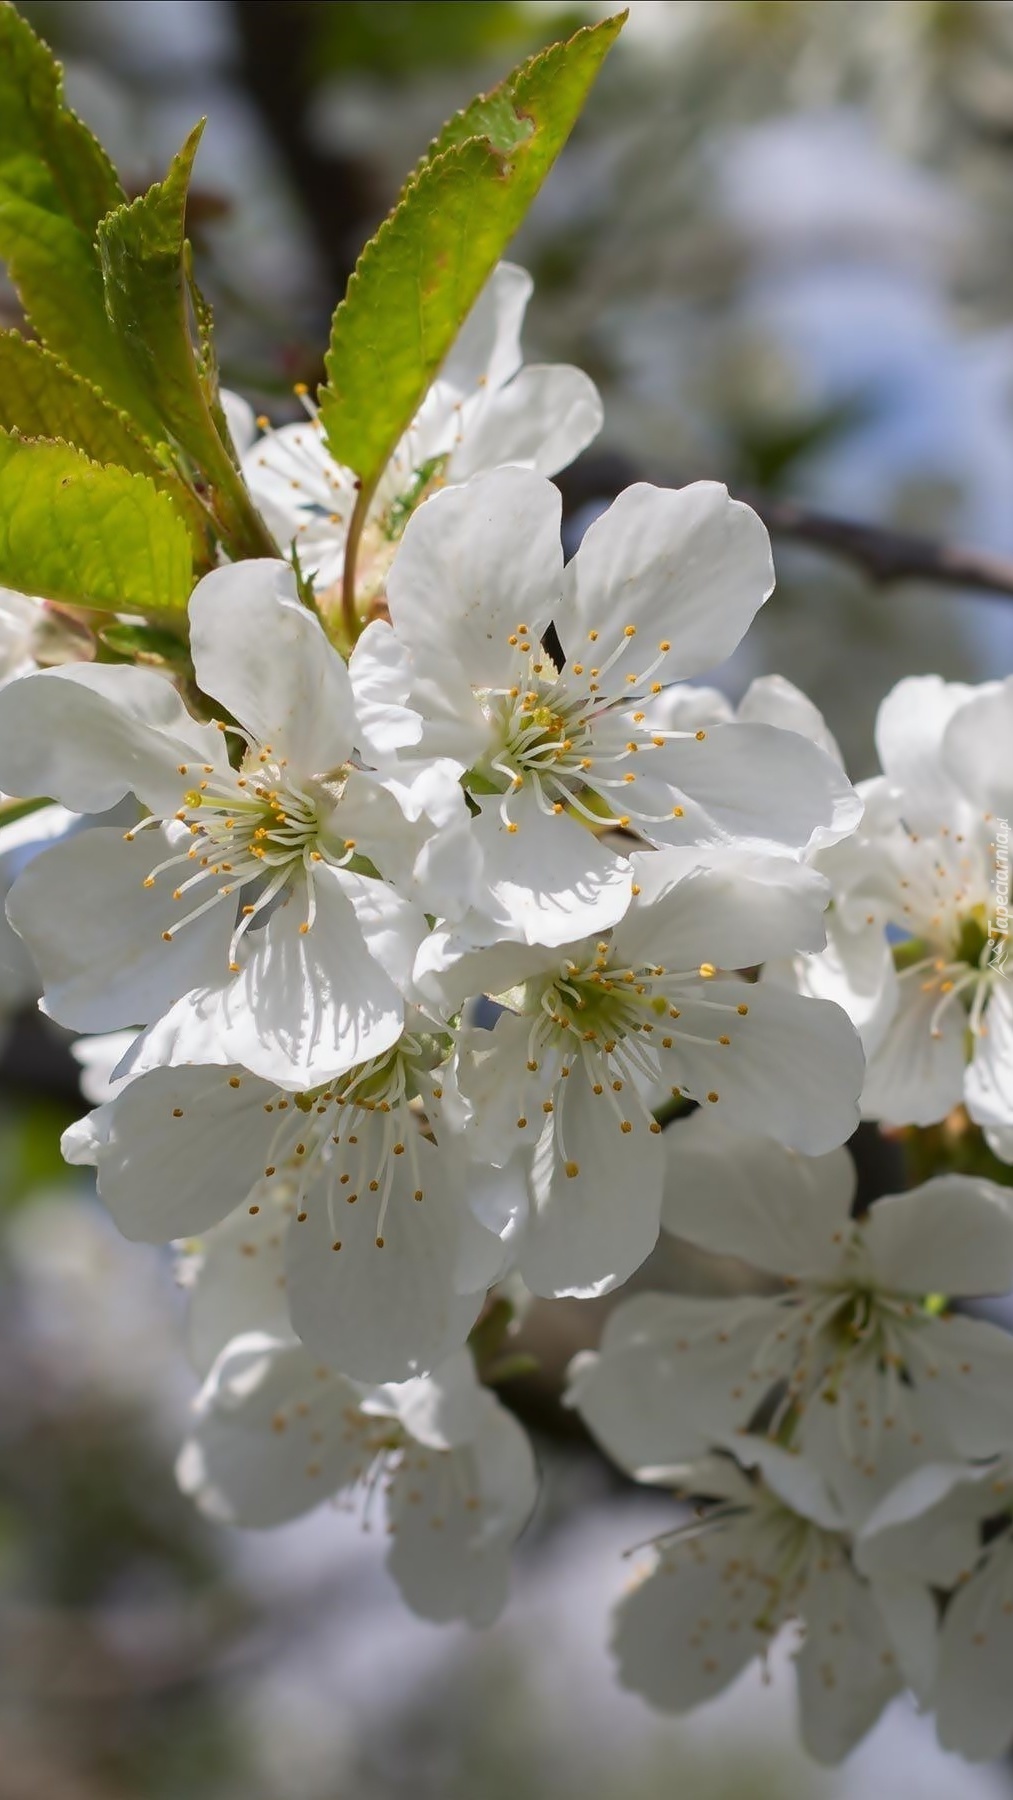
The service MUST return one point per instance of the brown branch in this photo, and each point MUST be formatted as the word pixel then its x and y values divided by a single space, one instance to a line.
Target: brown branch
pixel 882 553
pixel 885 555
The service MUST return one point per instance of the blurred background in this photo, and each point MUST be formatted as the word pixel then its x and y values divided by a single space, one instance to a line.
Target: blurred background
pixel 782 242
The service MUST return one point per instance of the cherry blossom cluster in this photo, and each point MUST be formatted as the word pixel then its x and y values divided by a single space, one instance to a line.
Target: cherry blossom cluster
pixel 465 958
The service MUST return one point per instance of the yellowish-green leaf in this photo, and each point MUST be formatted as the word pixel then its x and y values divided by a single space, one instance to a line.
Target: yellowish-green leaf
pixel 41 397
pixel 153 303
pixel 418 278
pixel 56 183
pixel 73 531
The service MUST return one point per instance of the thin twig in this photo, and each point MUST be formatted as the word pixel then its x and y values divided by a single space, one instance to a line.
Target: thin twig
pixel 886 555
pixel 881 552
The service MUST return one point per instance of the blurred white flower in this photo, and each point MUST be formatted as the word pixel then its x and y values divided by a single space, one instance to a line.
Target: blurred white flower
pixel 363 1215
pixel 278 1433
pixel 766 1549
pixel 846 1362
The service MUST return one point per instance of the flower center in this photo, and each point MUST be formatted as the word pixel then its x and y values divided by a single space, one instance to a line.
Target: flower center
pixel 353 1133
pixel 254 828
pixel 615 1023
pixel 563 739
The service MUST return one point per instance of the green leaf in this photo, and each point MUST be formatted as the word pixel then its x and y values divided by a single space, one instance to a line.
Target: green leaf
pixel 147 644
pixel 151 299
pixel 41 397
pixel 56 183
pixel 73 531
pixel 418 278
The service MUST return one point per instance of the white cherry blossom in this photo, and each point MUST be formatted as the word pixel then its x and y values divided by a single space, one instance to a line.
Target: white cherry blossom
pixel 597 1032
pixel 915 951
pixel 765 1550
pixel 385 1267
pixel 246 881
pixel 948 1530
pixel 277 1433
pixel 663 585
pixel 483 411
pixel 846 1361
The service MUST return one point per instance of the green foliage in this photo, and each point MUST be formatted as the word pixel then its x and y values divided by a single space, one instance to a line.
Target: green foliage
pixel 74 531
pixel 141 248
pixel 419 277
pixel 56 183
pixel 146 644
pixel 41 397
pixel 150 297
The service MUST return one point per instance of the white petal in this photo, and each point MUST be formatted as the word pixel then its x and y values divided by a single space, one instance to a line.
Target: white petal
pixel 752 1198
pixel 549 882
pixel 488 346
pixel 179 1149
pixel 771 700
pixel 239 1283
pixel 541 420
pixel 978 745
pixel 595 1192
pixel 453 1518
pixel 87 734
pixel 974 1692
pixel 690 1627
pixel 672 1376
pixel 265 657
pixel 380 672
pixel 271 1440
pixel 952 1235
pixel 910 1618
pixel 308 1005
pixel 757 783
pixel 988 1085
pixel 847 1671
pixel 474 563
pixel 240 419
pixel 910 726
pixel 791 1477
pixel 303 495
pixel 792 1070
pixel 928 1528
pixel 727 907
pixel 95 930
pixel 385 1313
pixel 98 1059
pixel 684 566
pixel 443 1410
pixel 971 1397
pixel 914 1077
pixel 856 971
